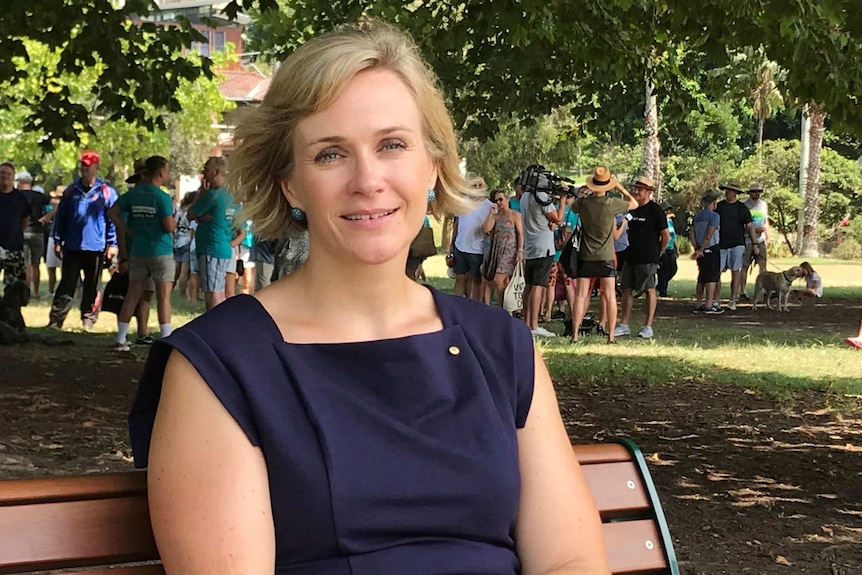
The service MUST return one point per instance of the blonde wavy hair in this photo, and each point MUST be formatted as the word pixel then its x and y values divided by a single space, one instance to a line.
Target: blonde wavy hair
pixel 309 81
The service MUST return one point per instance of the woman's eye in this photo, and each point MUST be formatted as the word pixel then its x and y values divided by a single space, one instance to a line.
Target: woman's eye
pixel 326 156
pixel 393 145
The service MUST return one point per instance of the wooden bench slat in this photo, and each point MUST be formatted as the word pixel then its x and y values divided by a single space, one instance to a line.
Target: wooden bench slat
pixel 75 533
pixel 129 570
pixel 634 547
pixel 617 489
pixel 588 454
pixel 48 489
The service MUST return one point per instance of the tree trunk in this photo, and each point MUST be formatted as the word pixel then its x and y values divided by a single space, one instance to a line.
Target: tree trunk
pixel 651 163
pixel 810 246
pixel 760 123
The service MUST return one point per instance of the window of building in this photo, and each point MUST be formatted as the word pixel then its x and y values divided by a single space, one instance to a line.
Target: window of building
pixel 218 41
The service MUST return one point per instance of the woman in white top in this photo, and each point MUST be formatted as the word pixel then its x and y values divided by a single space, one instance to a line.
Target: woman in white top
pixel 813 283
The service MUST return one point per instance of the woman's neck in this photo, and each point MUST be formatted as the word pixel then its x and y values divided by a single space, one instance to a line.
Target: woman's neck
pixel 339 302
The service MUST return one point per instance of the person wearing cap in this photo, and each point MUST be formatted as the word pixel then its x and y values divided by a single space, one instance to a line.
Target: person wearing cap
pixel 14 219
pixel 598 210
pixel 34 235
pixel 704 235
pixel 760 221
pixel 83 236
pixel 648 239
pixel 667 266
pixel 736 223
pixel 146 214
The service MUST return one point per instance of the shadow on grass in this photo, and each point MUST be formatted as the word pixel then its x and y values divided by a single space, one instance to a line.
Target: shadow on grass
pixel 593 368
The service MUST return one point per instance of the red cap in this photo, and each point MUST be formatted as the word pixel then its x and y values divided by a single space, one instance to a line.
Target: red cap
pixel 90 158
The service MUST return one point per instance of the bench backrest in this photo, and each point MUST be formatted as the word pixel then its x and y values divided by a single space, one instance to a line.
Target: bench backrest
pixel 637 537
pixel 90 522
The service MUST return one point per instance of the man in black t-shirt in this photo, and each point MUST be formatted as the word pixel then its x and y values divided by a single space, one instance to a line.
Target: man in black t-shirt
pixel 14 218
pixel 34 235
pixel 648 239
pixel 735 224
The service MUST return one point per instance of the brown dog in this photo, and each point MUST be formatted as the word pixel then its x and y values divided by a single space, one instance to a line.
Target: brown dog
pixel 776 282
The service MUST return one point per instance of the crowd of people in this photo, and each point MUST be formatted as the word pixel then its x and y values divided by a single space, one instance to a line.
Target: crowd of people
pixel 149 241
pixel 627 247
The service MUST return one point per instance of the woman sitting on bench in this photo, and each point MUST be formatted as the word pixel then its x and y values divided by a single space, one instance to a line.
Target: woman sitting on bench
pixel 346 419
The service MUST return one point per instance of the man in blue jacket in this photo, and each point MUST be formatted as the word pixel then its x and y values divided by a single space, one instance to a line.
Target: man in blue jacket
pixel 83 235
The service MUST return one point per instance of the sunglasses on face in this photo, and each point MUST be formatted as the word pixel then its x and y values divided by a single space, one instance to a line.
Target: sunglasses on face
pixel 499 200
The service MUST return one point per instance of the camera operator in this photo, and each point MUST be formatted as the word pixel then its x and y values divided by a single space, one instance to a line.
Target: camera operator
pixel 540 217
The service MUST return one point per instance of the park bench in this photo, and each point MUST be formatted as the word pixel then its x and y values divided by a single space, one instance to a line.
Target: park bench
pixel 100 525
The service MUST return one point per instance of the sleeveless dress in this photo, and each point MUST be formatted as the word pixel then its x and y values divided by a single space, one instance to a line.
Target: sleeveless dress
pixel 384 457
pixel 504 246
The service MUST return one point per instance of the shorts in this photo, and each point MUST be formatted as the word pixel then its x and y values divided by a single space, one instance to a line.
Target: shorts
pixel 749 255
pixel 537 271
pixel 709 266
pixel 51 259
pixel 212 271
pixel 731 258
pixel 638 277
pixel 182 254
pixel 159 268
pixel 34 245
pixel 621 259
pixel 597 269
pixel 468 264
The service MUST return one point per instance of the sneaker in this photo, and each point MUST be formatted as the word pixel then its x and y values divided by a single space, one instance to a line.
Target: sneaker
pixel 146 339
pixel 122 347
pixel 87 325
pixel 55 326
pixel 700 309
pixel 645 332
pixel 743 297
pixel 622 329
pixel 542 332
pixel 731 305
pixel 715 310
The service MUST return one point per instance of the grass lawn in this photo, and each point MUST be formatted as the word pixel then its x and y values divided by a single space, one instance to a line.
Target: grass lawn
pixel 767 351
pixel 747 350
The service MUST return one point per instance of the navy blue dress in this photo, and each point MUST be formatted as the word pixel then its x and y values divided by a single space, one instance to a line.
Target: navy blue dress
pixel 384 457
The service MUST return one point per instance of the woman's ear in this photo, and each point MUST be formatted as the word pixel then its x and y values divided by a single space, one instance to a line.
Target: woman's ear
pixel 288 194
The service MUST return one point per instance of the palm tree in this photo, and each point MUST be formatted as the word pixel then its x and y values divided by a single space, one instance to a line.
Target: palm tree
pixel 766 98
pixel 756 77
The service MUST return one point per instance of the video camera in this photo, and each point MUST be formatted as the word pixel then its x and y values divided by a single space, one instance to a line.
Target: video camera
pixel 536 178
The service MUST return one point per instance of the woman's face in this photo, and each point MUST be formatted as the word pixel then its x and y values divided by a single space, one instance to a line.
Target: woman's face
pixel 362 172
pixel 501 203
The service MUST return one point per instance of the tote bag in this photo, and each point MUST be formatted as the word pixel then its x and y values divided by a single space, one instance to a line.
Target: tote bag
pixel 423 245
pixel 513 297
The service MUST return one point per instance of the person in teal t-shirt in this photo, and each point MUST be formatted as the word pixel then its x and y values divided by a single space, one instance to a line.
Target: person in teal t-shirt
pixel 214 234
pixel 146 214
pixel 667 264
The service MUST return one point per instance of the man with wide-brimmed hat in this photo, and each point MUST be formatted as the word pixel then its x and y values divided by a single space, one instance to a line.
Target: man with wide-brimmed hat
pixel 598 210
pixel 704 233
pixel 735 225
pixel 760 221
pixel 648 239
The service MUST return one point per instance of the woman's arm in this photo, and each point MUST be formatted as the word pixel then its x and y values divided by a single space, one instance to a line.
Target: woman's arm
pixel 558 530
pixel 618 230
pixel 519 234
pixel 488 225
pixel 208 486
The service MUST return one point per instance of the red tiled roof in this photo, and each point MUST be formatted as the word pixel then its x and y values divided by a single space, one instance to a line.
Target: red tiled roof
pixel 243 85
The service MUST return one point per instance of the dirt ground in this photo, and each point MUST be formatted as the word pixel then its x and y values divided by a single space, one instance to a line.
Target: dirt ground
pixel 749 485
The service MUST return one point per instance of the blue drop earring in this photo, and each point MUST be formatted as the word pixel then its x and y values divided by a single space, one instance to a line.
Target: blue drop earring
pixel 297 214
pixel 432 195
